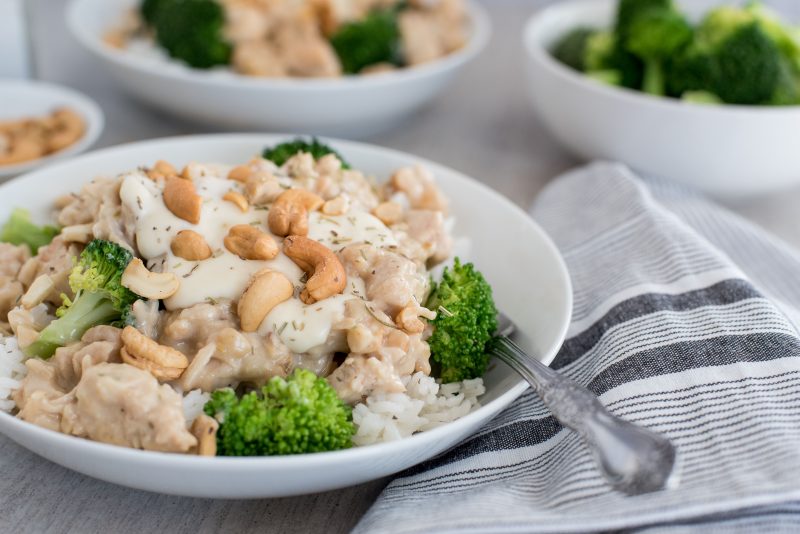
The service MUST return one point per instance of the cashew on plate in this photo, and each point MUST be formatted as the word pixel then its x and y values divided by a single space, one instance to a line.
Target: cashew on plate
pixel 327 276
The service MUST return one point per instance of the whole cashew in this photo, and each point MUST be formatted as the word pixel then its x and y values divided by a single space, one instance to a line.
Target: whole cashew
pixel 289 213
pixel 204 428
pixel 327 274
pixel 164 363
pixel 182 199
pixel 250 243
pixel 266 290
pixel 190 245
pixel 147 284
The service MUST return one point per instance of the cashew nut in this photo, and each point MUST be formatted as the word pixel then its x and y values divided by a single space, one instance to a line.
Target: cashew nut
pixel 147 284
pixel 240 173
pixel 250 243
pixel 190 245
pixel 182 199
pixel 37 292
pixel 289 213
pixel 164 363
pixel 327 276
pixel 388 212
pixel 266 290
pixel 204 428
pixel 161 170
pixel 336 206
pixel 238 199
pixel 77 233
pixel 408 319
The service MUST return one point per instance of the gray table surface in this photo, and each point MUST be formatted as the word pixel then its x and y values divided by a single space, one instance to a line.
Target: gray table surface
pixel 482 126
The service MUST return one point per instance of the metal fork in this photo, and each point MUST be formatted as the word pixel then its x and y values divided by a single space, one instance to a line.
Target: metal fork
pixel 633 459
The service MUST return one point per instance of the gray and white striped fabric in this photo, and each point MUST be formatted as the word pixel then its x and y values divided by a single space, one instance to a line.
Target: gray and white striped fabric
pixel 685 321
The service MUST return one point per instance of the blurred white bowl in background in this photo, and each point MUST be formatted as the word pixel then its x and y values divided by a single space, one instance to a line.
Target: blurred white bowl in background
pixel 726 150
pixel 354 106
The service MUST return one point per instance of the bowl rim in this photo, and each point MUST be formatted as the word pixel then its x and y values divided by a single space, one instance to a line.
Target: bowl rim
pixel 224 463
pixel 89 110
pixel 478 40
pixel 541 56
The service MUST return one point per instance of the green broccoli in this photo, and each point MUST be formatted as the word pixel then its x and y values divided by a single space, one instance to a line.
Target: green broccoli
pixel 373 39
pixel 191 31
pixel 466 320
pixel 99 299
pixel 280 154
pixel 20 230
pixel 734 58
pixel 655 36
pixel 149 10
pixel 297 415
pixel 607 61
pixel 571 49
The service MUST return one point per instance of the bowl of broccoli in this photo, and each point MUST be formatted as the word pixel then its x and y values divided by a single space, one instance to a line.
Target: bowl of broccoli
pixel 193 60
pixel 708 96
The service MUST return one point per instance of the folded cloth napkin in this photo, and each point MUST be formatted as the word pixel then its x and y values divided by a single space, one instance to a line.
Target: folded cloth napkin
pixel 685 321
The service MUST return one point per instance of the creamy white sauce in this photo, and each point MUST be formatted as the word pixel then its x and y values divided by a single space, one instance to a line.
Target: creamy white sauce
pixel 300 327
pixel 338 231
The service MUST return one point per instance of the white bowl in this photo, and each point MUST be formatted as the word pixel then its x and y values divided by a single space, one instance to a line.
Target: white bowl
pixel 352 105
pixel 530 283
pixel 21 98
pixel 726 150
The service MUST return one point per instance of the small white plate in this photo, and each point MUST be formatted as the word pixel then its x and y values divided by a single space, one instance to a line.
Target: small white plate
pixel 529 279
pixel 347 106
pixel 22 98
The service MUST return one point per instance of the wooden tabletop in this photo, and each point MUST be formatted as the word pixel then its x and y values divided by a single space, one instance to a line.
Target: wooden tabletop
pixel 482 126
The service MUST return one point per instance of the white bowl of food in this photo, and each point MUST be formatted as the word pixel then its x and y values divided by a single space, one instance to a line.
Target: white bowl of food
pixel 141 387
pixel 726 150
pixel 322 102
pixel 42 122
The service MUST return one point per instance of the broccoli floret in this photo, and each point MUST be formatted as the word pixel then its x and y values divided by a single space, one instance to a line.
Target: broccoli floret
pixel 466 320
pixel 191 31
pixel 280 154
pixel 373 39
pixel 608 60
pixel 149 10
pixel 628 11
pixel 297 415
pixel 655 36
pixel 735 59
pixel 571 49
pixel 19 230
pixel 99 299
pixel 747 67
pixel 701 97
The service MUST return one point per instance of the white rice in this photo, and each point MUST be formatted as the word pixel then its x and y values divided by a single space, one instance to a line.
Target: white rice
pixel 425 405
pixel 12 370
pixel 193 403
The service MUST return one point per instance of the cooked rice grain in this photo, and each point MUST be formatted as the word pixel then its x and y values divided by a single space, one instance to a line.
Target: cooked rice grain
pixel 12 370
pixel 425 405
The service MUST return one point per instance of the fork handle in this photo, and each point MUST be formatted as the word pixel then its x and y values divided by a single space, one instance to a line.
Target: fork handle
pixel 633 459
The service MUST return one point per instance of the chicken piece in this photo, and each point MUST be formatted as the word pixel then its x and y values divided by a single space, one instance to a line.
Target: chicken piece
pixel 123 405
pixel 55 260
pixel 418 186
pixel 433 30
pixel 222 355
pixel 12 258
pixel 392 282
pixel 26 324
pixel 45 396
pixel 84 207
pixel 380 354
pixel 304 51
pixel 232 357
pixel 258 58
pixel 427 228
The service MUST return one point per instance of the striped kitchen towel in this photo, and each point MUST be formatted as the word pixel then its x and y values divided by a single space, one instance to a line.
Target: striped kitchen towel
pixel 685 321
